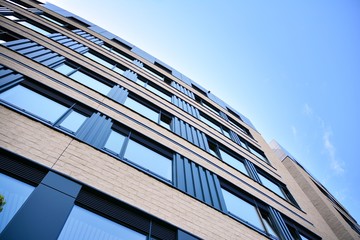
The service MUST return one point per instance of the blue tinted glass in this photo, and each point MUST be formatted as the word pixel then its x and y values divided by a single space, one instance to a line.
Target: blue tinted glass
pixel 242 209
pixel 272 186
pixel 114 142
pixel 233 162
pixel 15 193
pixel 73 121
pixel 34 103
pixel 210 123
pixel 90 82
pixel 118 70
pixel 83 224
pixel 149 159
pixel 52 20
pixel 142 109
pixel 159 93
pixel 64 69
pixel 35 28
pixel 98 60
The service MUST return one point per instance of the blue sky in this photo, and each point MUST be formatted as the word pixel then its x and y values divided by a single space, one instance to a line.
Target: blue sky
pixel 291 67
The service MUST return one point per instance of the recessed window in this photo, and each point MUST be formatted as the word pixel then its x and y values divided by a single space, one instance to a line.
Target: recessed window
pixel 15 194
pixel 249 212
pixel 242 209
pixel 6 36
pixel 26 23
pixel 83 224
pixel 34 103
pixel 37 101
pixel 214 125
pixel 149 112
pixel 140 151
pixel 106 62
pixel 149 159
pixel 83 77
pixel 118 52
pixel 51 19
pixel 153 72
pixel 271 185
pixel 73 121
pixel 234 162
pixel 115 142
pixel 150 86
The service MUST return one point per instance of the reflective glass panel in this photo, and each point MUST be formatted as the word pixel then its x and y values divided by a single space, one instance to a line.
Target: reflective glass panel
pixel 242 209
pixel 268 224
pixel 118 70
pixel 98 60
pixel 52 20
pixel 115 142
pixel 64 69
pixel 35 28
pixel 83 224
pixel 149 159
pixel 15 193
pixel 158 92
pixel 210 123
pixel 73 121
pixel 34 103
pixel 142 109
pixel 90 82
pixel 272 186
pixel 233 162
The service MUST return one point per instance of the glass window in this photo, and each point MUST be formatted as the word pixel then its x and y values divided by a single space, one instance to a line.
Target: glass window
pixel 239 165
pixel 153 72
pixel 210 123
pixel 73 121
pixel 34 103
pixel 15 193
pixel 52 20
pixel 98 60
pixel 149 159
pixel 64 69
pixel 213 149
pixel 165 121
pixel 242 209
pixel 115 142
pixel 270 228
pixel 271 185
pixel 158 92
pixel 142 109
pixel 35 28
pixel 83 224
pixel 90 82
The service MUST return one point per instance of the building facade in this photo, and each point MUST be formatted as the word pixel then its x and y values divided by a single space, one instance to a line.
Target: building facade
pixel 100 140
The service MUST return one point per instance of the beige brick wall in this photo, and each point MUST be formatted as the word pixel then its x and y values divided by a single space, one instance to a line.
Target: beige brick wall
pixel 319 208
pixel 82 162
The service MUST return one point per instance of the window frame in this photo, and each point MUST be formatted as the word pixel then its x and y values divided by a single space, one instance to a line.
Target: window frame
pixel 131 135
pixel 54 96
pixel 78 68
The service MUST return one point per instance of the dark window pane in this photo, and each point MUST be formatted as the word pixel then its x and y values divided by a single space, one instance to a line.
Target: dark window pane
pixel 165 121
pixel 242 209
pixel 90 82
pixel 149 159
pixel 83 224
pixel 73 121
pixel 233 162
pixel 115 142
pixel 269 225
pixel 34 103
pixel 64 69
pixel 35 28
pixel 158 92
pixel 52 20
pixel 15 193
pixel 272 186
pixel 142 109
pixel 98 60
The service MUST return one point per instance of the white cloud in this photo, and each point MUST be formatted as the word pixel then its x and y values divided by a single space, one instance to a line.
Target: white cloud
pixel 335 164
pixel 307 110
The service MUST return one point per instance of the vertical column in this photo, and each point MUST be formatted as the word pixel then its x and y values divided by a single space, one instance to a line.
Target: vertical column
pixel 44 213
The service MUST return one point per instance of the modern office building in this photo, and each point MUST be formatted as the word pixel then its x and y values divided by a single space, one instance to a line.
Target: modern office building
pixel 100 140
